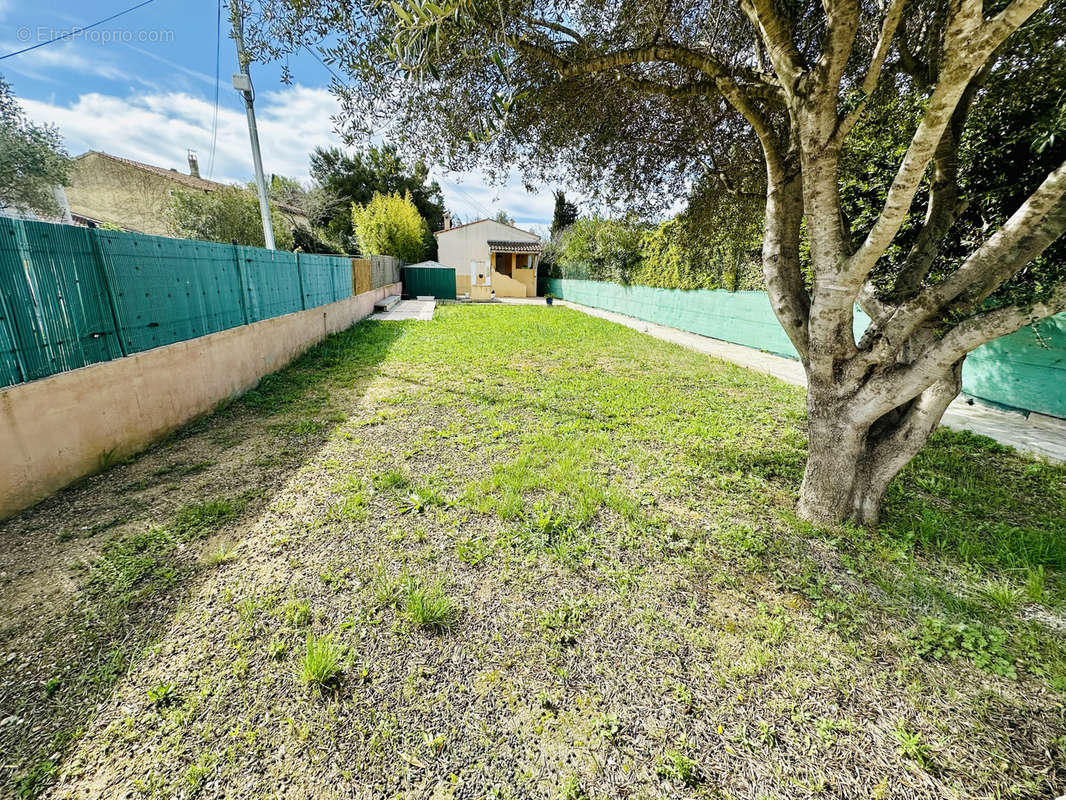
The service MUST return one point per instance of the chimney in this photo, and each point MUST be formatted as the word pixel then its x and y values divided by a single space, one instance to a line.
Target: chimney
pixel 447 220
pixel 194 164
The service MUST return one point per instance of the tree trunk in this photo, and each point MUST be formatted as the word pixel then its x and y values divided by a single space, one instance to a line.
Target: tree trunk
pixel 835 450
pixel 845 479
pixel 851 460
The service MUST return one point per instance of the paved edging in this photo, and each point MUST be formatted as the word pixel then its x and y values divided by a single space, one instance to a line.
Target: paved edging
pixel 408 309
pixel 1038 435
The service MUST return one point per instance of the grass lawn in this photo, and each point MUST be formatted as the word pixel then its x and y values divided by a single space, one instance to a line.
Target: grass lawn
pixel 520 552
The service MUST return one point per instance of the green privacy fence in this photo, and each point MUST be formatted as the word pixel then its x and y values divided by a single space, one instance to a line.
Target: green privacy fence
pixel 1026 370
pixel 72 296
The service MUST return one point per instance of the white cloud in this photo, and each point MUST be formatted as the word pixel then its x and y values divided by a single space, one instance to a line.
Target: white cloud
pixel 158 128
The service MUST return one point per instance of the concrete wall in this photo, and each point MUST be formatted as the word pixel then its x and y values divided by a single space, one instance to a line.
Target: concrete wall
pixel 507 287
pixel 1024 371
pixel 58 429
pixel 526 274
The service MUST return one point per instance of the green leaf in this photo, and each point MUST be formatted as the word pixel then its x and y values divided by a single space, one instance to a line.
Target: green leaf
pixel 401 13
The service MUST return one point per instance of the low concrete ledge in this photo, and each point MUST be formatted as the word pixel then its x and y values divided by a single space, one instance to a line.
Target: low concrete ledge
pixel 58 429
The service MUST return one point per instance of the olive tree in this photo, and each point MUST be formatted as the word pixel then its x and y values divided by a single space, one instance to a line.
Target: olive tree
pixel 639 98
pixel 32 159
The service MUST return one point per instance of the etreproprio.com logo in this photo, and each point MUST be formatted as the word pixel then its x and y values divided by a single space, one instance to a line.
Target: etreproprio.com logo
pixel 45 33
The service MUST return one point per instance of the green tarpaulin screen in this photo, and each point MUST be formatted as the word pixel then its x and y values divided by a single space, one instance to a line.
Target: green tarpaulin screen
pixel 72 296
pixel 1026 370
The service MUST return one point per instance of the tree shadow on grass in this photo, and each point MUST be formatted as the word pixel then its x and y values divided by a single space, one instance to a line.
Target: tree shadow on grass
pixel 967 497
pixel 92 575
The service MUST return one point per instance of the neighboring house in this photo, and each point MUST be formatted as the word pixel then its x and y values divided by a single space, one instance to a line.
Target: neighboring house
pixel 490 258
pixel 107 189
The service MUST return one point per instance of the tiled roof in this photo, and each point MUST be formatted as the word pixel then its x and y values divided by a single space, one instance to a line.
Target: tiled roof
pixel 478 222
pixel 171 174
pixel 514 247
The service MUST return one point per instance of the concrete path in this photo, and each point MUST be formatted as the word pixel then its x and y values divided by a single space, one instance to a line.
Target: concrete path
pixel 1036 434
pixel 408 309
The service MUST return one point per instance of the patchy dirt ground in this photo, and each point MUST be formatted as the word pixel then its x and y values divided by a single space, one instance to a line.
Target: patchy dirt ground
pixel 518 552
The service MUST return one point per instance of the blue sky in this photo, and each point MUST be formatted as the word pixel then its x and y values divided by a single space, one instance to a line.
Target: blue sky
pixel 143 86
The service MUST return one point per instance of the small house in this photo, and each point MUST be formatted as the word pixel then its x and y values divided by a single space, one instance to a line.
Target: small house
pixel 490 258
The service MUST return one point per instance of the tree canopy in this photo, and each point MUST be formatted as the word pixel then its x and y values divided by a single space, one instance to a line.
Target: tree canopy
pixel 564 215
pixel 390 225
pixel 32 159
pixel 355 179
pixel 228 214
pixel 681 253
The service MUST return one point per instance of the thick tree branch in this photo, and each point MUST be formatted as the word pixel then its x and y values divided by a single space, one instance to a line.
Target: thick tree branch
pixel 671 53
pixel 695 89
pixel 870 303
pixel 540 53
pixel 944 205
pixel 678 91
pixel 898 384
pixel 1009 20
pixel 1038 222
pixel 889 24
pixel 1030 230
pixel 776 35
pixel 890 449
pixel 968 43
pixel 893 15
pixel 781 265
pixel 842 19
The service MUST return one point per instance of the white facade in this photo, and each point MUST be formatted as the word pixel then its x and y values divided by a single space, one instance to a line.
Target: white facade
pixel 459 246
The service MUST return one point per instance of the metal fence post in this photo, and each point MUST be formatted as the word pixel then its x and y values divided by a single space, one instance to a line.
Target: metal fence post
pixel 300 275
pixel 105 280
pixel 240 282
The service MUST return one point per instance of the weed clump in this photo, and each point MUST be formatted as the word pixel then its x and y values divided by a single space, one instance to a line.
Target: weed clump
pixel 985 646
pixel 429 607
pixel 320 665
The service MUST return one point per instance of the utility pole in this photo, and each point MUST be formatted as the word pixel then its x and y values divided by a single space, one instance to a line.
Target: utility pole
pixel 242 82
